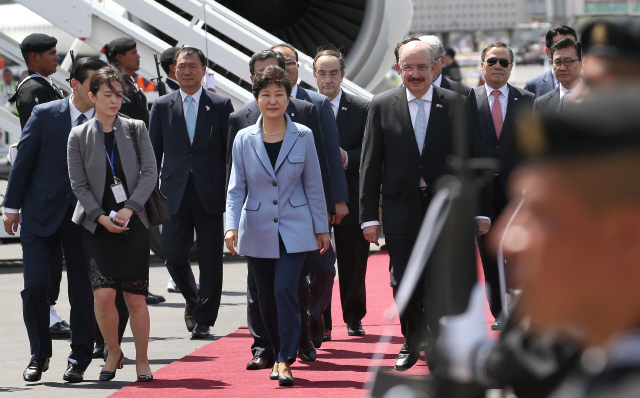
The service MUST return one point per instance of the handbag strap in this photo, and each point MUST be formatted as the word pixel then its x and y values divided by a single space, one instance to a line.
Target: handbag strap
pixel 134 135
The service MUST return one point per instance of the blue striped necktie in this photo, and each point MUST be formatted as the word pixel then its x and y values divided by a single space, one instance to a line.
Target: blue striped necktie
pixel 191 119
pixel 420 129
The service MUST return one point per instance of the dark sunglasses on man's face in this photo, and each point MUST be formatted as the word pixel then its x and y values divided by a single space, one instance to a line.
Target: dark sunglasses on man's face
pixel 503 62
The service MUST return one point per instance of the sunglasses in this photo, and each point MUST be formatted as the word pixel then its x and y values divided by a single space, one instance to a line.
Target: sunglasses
pixel 503 61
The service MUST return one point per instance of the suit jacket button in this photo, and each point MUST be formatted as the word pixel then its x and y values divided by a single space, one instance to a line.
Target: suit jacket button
pixel 191 154
pixel 497 146
pixel 275 219
pixel 68 195
pixel 275 184
pixel 275 202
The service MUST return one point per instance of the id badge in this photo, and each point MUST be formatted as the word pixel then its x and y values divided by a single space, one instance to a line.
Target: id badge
pixel 118 192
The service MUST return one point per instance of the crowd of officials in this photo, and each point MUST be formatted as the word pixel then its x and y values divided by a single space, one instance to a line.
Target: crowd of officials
pixel 293 164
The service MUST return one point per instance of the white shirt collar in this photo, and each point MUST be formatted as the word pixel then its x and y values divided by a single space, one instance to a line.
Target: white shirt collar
pixel 504 90
pixel 564 91
pixel 336 101
pixel 196 96
pixel 438 82
pixel 75 113
pixel 427 96
pixel 173 80
pixel 294 91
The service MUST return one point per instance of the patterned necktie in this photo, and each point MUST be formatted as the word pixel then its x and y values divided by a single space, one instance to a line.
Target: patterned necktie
pixel 191 119
pixel 420 129
pixel 496 112
pixel 81 119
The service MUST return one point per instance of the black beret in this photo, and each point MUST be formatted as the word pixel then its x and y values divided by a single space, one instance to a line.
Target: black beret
pixel 608 123
pixel 38 42
pixel 118 46
pixel 168 55
pixel 620 38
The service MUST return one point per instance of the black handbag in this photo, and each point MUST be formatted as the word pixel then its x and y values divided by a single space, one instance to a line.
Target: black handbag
pixel 157 211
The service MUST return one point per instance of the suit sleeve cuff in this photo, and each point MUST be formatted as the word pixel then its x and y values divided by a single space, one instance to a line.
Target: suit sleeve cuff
pixel 483 218
pixel 11 211
pixel 94 215
pixel 135 206
pixel 369 224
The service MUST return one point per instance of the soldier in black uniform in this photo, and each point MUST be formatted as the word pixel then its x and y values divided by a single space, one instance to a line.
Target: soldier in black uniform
pixel 35 87
pixel 167 62
pixel 123 53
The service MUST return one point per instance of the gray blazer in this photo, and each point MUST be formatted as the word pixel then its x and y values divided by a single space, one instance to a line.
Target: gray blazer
pixel 289 200
pixel 86 161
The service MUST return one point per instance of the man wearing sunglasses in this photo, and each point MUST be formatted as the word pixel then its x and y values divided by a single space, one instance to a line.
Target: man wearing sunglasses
pixel 497 106
pixel 567 67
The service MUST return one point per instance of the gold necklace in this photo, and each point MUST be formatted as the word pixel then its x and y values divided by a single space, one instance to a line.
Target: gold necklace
pixel 273 135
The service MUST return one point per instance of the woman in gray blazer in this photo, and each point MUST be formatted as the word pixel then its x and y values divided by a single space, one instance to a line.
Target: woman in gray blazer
pixel 112 188
pixel 276 211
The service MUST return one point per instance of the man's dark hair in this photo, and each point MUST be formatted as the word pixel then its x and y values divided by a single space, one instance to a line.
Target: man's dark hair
pixel 165 66
pixel 81 67
pixel 108 75
pixel 189 51
pixel 329 51
pixel 494 45
pixel 27 54
pixel 559 30
pixel 289 46
pixel 567 42
pixel 268 75
pixel 451 52
pixel 396 51
pixel 263 55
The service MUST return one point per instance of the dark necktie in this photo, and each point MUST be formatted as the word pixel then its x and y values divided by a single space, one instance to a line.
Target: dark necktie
pixel 81 119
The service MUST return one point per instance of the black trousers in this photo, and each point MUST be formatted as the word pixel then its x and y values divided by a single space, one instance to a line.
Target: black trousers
pixel 490 261
pixel 56 276
pixel 38 255
pixel 177 239
pixel 413 321
pixel 352 251
pixel 322 274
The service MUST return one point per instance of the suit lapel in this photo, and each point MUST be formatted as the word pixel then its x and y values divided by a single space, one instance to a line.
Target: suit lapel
pixel 343 107
pixel 177 116
pixel 258 146
pixel 437 110
pixel 290 138
pixel 512 107
pixel 401 107
pixel 301 94
pixel 203 115
pixel 252 115
pixel 292 111
pixel 444 83
pixel 64 113
pixel 484 110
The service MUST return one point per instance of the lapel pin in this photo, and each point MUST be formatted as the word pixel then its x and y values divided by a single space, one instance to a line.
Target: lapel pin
pixel 292 114
pixel 438 105
pixel 302 133
pixel 344 108
pixel 515 99
pixel 207 106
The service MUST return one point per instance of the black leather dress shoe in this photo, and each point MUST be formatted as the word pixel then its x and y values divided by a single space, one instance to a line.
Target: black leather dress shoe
pixel 188 317
pixel 259 362
pixel 98 350
pixel 307 353
pixel 327 335
pixel 34 370
pixel 355 329
pixel 498 324
pixel 160 298
pixel 73 374
pixel 59 330
pixel 316 331
pixel 200 331
pixel 406 358
pixel 150 300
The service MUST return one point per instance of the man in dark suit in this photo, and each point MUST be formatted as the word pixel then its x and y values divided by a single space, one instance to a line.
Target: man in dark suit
pixel 439 80
pixel 166 62
pixel 305 113
pixel 321 267
pixel 40 54
pixel 545 82
pixel 405 149
pixel 567 66
pixel 189 129
pixel 39 185
pixel 352 249
pixel 498 105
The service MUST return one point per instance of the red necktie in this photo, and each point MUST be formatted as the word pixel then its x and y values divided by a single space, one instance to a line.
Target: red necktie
pixel 496 112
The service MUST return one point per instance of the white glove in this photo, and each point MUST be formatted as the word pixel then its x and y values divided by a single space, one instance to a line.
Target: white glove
pixel 461 336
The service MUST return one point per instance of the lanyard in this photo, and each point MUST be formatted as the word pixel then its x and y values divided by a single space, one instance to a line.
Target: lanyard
pixel 116 180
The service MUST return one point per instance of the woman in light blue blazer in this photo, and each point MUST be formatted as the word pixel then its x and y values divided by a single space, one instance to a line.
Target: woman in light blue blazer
pixel 276 211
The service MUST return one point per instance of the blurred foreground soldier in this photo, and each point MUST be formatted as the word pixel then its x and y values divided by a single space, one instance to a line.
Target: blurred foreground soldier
pixel 451 69
pixel 166 62
pixel 567 67
pixel 547 81
pixel 8 87
pixel 498 105
pixel 352 249
pixel 123 53
pixel 39 185
pixel 439 79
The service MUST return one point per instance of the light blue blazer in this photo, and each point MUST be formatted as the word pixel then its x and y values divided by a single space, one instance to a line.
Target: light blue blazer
pixel 289 199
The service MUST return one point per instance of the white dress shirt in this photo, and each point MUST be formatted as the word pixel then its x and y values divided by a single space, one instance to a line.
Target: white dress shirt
pixel 564 91
pixel 438 82
pixel 294 91
pixel 75 114
pixel 195 101
pixel 335 107
pixel 503 98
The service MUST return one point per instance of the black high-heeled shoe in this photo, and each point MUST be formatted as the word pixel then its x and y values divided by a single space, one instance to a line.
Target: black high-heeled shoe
pixel 105 375
pixel 285 381
pixel 274 375
pixel 145 378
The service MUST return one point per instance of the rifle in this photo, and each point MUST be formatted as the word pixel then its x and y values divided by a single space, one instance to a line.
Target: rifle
pixel 73 58
pixel 162 90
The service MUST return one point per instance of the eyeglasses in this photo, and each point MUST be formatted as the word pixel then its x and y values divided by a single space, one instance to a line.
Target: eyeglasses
pixel 412 68
pixel 566 62
pixel 333 74
pixel 503 62
pixel 291 64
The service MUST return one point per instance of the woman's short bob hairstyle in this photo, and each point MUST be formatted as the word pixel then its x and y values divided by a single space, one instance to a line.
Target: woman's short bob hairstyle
pixel 268 75
pixel 108 75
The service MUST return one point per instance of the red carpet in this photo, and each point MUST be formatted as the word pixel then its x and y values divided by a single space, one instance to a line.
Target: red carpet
pixel 340 370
